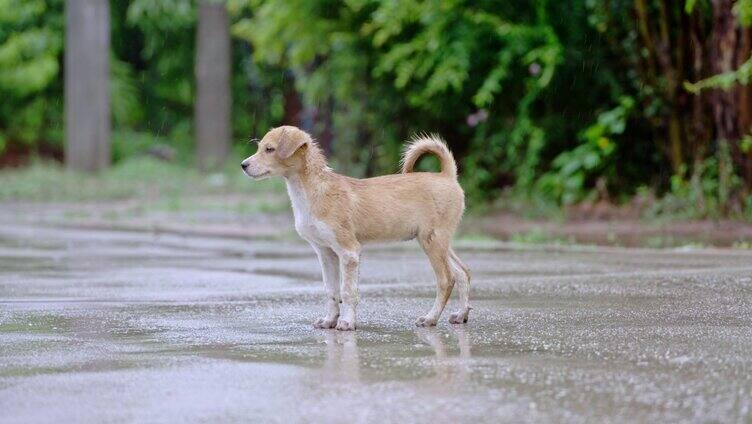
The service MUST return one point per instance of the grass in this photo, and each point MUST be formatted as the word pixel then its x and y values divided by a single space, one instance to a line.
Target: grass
pixel 135 178
pixel 538 236
pixel 528 206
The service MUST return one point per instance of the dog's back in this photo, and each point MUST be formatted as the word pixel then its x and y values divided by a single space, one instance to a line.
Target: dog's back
pixel 399 206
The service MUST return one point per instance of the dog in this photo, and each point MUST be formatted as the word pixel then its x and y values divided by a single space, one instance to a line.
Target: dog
pixel 337 214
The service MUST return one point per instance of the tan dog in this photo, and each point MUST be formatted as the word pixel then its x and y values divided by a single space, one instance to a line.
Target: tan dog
pixel 336 214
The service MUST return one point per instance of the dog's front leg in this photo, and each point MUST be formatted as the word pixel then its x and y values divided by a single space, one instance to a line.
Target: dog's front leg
pixel 330 273
pixel 349 262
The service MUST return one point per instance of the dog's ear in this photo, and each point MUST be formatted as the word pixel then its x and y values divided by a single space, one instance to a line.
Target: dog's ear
pixel 290 142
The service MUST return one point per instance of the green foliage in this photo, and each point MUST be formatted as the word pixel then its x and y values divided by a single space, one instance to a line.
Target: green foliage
pixel 152 81
pixel 166 47
pixel 689 6
pixel 518 88
pixel 31 39
pixel 746 144
pixel 445 53
pixel 416 66
pixel 727 80
pixel 705 194
pixel 440 56
pixel 29 61
pixel 724 80
pixel 593 158
pixel 124 94
pixel 743 10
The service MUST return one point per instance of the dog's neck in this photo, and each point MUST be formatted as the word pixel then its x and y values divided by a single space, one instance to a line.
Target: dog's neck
pixel 304 184
pixel 299 199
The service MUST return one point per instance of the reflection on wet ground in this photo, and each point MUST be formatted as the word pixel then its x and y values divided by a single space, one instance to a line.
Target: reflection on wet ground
pixel 102 326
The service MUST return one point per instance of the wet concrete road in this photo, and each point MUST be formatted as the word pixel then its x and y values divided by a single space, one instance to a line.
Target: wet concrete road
pixel 105 326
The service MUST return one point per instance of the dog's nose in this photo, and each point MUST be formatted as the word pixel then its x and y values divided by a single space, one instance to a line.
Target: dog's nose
pixel 243 165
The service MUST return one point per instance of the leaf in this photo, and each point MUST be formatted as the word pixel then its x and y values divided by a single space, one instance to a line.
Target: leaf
pixel 743 10
pixel 723 81
pixel 689 6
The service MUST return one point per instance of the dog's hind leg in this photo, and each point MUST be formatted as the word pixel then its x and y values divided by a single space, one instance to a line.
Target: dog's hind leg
pixel 462 278
pixel 436 246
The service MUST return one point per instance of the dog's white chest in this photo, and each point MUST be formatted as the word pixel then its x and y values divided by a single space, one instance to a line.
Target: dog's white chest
pixel 307 226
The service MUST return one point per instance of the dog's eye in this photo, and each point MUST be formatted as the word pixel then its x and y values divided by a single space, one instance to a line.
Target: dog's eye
pixel 269 149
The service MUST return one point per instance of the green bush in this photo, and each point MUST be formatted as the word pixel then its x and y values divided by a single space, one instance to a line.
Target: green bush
pixel 594 158
pixel 31 42
pixel 706 193
pixel 517 90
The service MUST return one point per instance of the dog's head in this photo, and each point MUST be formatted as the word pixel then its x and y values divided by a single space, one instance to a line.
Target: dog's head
pixel 280 153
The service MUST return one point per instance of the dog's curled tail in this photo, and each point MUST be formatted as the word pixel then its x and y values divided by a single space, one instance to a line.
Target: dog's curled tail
pixel 422 144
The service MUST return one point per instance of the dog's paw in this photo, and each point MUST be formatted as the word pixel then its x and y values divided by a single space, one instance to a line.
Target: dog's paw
pixel 459 317
pixel 425 321
pixel 343 325
pixel 325 322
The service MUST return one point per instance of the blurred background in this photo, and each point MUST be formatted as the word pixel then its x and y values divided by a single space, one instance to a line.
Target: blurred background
pixel 584 110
